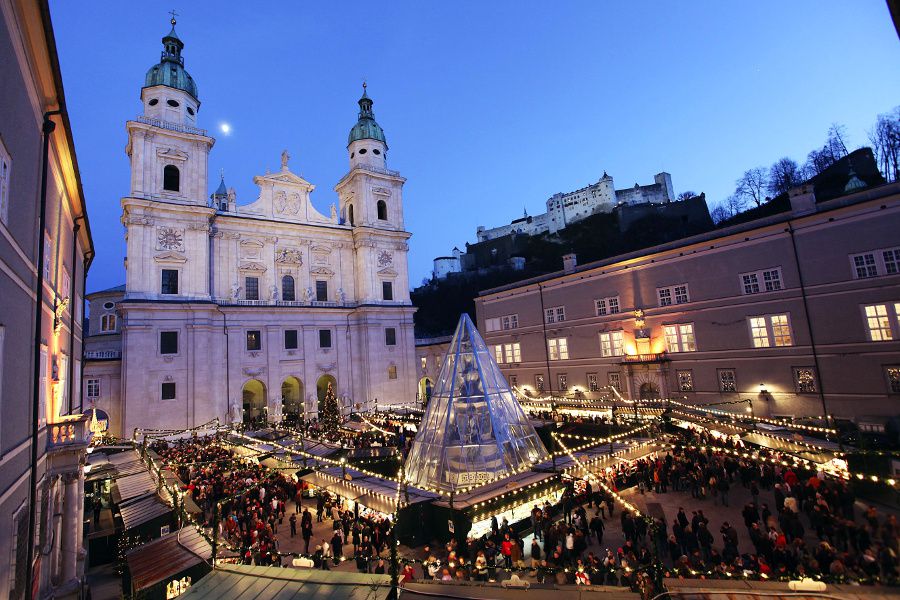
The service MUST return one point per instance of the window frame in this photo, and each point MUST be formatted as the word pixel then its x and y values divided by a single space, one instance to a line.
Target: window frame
pixel 390 336
pixel 247 339
pixel 603 307
pixel 92 384
pixel 162 282
pixel 890 381
pixel 555 314
pixel 875 263
pixel 539 382
pixel 558 348
pixel 5 182
pixel 162 391
pixel 323 335
pixel 615 340
pixel 614 380
pixel 284 336
pixel 669 295
pixel 685 380
pixel 795 377
pixel 593 384
pixel 886 322
pixel 288 282
pixel 321 290
pixel 387 291
pixel 177 342
pixel 175 175
pixel 105 319
pixel 513 352
pixel 498 353
pixel 762 280
pixel 722 383
pixel 562 381
pixel 768 328
pixel 254 279
pixel 680 337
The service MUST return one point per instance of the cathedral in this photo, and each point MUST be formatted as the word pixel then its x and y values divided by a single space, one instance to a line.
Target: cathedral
pixel 248 312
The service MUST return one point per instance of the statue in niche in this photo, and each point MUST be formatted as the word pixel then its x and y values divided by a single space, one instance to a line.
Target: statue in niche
pixel 235 291
pixel 309 294
pixel 273 292
pixel 341 295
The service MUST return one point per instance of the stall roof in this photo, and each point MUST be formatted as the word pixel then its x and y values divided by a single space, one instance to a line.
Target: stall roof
pixel 133 486
pixel 137 512
pixel 370 491
pixel 244 582
pixel 501 486
pixel 166 557
pixel 788 447
pixel 121 458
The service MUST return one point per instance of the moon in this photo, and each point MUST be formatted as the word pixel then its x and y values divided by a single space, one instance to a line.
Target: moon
pixel 226 128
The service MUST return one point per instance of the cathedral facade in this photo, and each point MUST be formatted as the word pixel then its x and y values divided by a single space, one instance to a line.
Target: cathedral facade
pixel 250 312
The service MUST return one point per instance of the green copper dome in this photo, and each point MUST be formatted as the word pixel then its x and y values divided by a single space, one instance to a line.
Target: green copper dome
pixel 366 128
pixel 170 70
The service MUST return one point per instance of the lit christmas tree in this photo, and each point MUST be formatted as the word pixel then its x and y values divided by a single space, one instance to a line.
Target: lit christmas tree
pixel 331 413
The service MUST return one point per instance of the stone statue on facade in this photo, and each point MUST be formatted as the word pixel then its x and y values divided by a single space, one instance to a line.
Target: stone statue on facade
pixel 341 295
pixel 235 291
pixel 333 212
pixel 274 292
pixel 285 157
pixel 309 294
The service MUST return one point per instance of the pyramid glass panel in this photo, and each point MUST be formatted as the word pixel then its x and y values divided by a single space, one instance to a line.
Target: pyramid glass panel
pixel 474 429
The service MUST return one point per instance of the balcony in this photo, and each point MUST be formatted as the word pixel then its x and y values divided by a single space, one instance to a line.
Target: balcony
pixel 103 354
pixel 69 433
pixel 645 358
pixel 170 126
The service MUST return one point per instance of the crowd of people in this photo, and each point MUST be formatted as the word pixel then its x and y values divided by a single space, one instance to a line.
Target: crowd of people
pixel 796 522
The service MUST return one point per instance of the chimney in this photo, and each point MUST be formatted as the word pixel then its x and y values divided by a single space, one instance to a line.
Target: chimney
pixel 569 262
pixel 803 199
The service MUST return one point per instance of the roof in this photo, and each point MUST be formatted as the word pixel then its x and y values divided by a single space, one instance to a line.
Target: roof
pixel 366 128
pixel 170 70
pixel 247 582
pixel 142 510
pixel 372 492
pixel 167 557
pixel 119 289
pixel 133 486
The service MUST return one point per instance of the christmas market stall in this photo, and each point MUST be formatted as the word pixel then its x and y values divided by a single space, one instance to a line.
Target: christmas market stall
pixel 168 566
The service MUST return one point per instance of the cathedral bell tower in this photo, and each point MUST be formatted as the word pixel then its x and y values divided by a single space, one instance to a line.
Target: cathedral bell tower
pixel 371 203
pixel 166 213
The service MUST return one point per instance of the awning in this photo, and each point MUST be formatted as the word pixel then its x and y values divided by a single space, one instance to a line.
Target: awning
pixel 230 582
pixel 140 511
pixel 788 447
pixel 167 557
pixel 133 486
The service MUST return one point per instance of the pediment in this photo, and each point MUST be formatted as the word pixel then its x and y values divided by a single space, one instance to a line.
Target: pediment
pixel 322 271
pixel 252 266
pixel 388 271
pixel 251 243
pixel 320 249
pixel 283 178
pixel 170 257
pixel 171 153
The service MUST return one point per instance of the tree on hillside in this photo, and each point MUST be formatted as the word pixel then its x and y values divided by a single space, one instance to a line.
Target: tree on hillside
pixel 783 175
pixel 834 149
pixel 729 207
pixel 885 139
pixel 686 195
pixel 752 185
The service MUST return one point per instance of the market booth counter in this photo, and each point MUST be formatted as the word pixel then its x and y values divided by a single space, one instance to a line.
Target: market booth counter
pixel 169 564
pixel 373 496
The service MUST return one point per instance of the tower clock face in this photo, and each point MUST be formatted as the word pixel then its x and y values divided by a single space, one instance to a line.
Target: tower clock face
pixel 169 238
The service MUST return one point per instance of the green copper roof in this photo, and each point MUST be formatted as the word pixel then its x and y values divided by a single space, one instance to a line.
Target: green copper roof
pixel 170 70
pixel 366 128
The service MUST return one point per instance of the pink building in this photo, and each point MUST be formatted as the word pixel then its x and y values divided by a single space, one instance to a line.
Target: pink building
pixel 797 311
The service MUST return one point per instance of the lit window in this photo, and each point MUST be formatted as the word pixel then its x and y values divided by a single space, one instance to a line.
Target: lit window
pixel 607 306
pixel 513 352
pixel 539 383
pixel 498 353
pixel 612 343
pixel 593 386
pixel 772 330
pixel 893 379
pixel 108 323
pixel 878 323
pixel 558 348
pixel 727 380
pixel 805 380
pixel 513 381
pixel 557 314
pixel 392 372
pixel 563 380
pixel 680 338
pixel 93 389
pixel 424 362
pixel 254 340
pixel 615 381
pixel 685 381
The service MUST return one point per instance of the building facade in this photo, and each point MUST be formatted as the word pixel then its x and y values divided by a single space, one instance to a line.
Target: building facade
pixel 798 312
pixel 252 311
pixel 42 271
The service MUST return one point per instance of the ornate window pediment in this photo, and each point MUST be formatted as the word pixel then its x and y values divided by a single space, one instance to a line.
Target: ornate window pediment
pixel 250 265
pixel 381 191
pixel 288 256
pixel 170 257
pixel 322 271
pixel 251 243
pixel 171 154
pixel 388 271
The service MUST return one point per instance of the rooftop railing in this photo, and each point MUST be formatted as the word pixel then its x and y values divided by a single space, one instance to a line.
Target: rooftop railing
pixel 169 125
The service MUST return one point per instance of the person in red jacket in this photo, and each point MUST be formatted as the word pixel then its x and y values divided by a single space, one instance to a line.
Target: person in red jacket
pixel 506 550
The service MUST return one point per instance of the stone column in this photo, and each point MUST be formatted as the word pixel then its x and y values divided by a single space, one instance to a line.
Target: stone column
pixel 68 543
pixel 79 524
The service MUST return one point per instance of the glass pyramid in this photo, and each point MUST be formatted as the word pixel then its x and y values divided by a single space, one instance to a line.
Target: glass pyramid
pixel 474 429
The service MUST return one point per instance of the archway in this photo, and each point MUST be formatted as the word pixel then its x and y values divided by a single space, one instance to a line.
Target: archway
pixel 254 400
pixel 648 391
pixel 292 400
pixel 426 387
pixel 321 388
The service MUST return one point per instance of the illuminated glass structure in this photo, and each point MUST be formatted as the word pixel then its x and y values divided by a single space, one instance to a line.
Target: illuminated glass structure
pixel 474 429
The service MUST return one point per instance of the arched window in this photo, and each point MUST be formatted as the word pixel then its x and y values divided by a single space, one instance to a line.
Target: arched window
pixel 108 322
pixel 287 288
pixel 382 210
pixel 350 215
pixel 171 178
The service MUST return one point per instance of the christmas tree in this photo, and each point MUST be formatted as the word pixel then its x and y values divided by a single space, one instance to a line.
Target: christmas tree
pixel 331 413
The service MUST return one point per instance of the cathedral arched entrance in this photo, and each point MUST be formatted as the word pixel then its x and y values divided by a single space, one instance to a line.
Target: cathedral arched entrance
pixel 649 391
pixel 254 401
pixel 292 400
pixel 426 387
pixel 321 388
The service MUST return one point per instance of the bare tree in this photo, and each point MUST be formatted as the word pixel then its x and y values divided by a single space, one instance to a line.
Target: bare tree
pixel 885 139
pixel 752 185
pixel 686 195
pixel 719 214
pixel 836 143
pixel 817 161
pixel 728 208
pixel 783 175
pixel 835 148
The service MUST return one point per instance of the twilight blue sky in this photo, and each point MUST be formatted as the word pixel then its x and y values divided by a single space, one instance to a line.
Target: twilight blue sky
pixel 488 107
